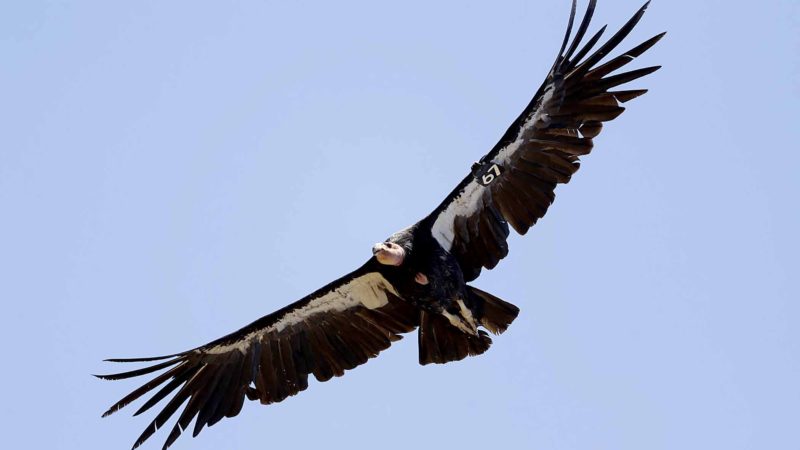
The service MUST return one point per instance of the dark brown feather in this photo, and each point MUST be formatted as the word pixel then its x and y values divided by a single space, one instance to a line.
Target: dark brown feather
pixel 170 408
pixel 626 96
pixel 568 144
pixel 591 129
pixel 325 366
pixel 440 342
pixel 612 43
pixel 138 372
pixel 513 216
pixel 179 379
pixel 615 80
pixel 227 388
pixel 145 388
pixel 510 200
pixel 587 47
pixel 582 28
pixel 200 392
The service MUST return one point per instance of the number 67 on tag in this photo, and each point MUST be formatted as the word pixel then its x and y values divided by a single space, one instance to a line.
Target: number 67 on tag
pixel 487 173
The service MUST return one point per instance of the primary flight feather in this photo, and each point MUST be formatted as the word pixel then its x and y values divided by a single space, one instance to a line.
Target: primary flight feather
pixel 417 278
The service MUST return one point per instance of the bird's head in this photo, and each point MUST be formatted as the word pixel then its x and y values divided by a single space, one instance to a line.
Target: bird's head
pixel 389 253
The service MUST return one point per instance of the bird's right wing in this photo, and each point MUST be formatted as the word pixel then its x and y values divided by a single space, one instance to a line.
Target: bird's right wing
pixel 337 328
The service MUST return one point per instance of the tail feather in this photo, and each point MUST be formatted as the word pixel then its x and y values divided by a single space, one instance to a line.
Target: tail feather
pixel 493 313
pixel 441 342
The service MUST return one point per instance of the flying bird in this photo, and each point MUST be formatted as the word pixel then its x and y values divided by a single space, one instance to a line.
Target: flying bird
pixel 418 278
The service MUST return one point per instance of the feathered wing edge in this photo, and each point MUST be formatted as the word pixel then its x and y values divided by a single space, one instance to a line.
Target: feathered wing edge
pixel 270 359
pixel 541 148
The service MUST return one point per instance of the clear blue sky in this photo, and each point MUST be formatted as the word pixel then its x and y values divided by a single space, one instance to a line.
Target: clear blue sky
pixel 169 171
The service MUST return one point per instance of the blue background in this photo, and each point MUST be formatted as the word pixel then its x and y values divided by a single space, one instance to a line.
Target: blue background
pixel 170 171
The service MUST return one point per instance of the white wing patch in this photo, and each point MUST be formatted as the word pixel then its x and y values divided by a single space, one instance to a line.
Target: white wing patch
pixel 464 204
pixel 470 199
pixel 367 290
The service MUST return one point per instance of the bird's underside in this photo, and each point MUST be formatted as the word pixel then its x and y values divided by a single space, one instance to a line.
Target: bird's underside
pixel 418 278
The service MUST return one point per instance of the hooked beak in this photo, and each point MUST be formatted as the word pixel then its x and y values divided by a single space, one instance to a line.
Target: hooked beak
pixel 388 254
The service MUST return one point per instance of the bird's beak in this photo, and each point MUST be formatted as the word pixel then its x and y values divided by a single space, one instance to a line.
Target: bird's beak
pixel 390 255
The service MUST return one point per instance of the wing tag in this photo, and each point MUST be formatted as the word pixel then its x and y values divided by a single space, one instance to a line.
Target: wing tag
pixel 487 172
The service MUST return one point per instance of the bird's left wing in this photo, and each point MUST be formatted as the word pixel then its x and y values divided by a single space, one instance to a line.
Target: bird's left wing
pixel 514 183
pixel 336 328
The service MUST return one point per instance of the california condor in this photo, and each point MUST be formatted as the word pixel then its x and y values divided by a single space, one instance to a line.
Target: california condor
pixel 417 278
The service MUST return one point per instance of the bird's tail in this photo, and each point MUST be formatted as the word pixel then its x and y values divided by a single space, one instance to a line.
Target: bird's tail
pixel 493 313
pixel 440 341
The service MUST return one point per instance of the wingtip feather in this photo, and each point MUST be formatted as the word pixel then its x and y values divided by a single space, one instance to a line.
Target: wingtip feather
pixel 567 35
pixel 146 359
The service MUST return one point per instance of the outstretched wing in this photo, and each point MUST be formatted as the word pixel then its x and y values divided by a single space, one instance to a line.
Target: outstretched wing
pixel 334 329
pixel 515 182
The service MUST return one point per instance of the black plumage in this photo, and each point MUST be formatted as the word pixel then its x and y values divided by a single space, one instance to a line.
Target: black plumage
pixel 418 277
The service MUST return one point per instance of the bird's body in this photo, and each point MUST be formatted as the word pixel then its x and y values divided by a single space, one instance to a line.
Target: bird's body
pixel 425 256
pixel 430 278
pixel 419 278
